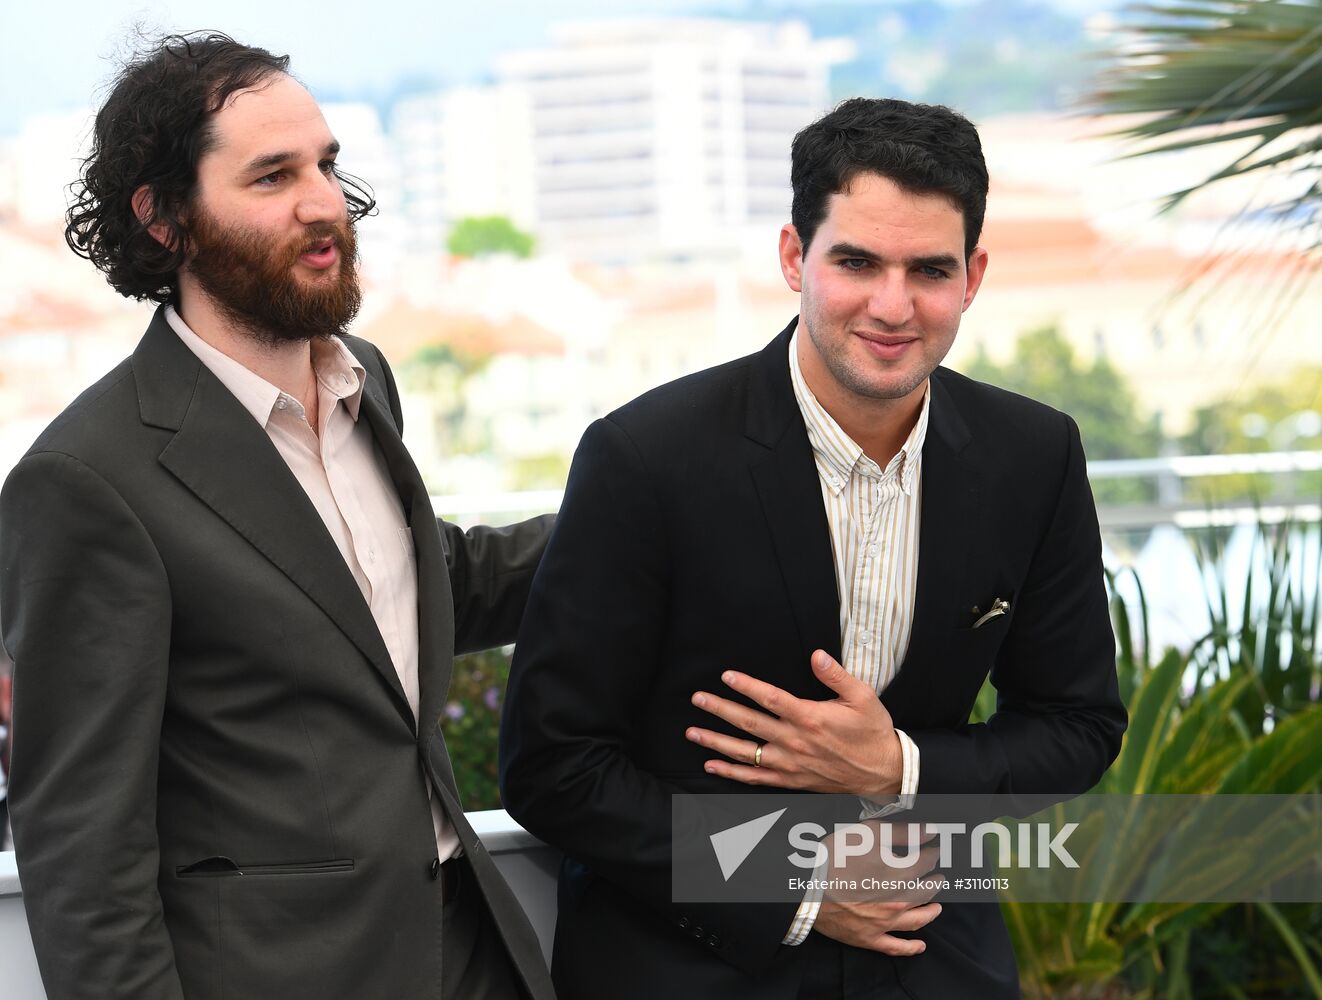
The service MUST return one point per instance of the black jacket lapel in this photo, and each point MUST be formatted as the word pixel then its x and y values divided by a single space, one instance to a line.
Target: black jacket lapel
pixel 947 537
pixel 785 477
pixel 221 454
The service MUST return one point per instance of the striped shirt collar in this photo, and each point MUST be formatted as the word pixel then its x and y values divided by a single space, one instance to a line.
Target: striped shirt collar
pixel 839 453
pixel 336 369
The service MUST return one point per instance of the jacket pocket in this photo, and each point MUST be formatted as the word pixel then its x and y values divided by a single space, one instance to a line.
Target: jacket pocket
pixel 223 867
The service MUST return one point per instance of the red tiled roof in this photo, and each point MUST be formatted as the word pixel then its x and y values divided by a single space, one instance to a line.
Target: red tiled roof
pixel 403 328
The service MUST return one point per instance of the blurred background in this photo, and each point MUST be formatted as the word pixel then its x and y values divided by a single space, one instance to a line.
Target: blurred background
pixel 579 204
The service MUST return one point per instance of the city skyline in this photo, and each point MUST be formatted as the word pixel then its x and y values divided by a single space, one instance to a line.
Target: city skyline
pixel 56 58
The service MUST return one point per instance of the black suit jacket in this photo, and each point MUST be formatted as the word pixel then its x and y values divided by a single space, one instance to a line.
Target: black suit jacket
pixel 692 539
pixel 200 686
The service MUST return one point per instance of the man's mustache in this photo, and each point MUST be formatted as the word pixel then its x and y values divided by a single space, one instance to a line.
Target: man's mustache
pixel 316 235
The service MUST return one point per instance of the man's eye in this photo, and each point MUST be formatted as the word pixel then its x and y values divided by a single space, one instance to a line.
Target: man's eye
pixel 933 272
pixel 269 180
pixel 327 166
pixel 854 264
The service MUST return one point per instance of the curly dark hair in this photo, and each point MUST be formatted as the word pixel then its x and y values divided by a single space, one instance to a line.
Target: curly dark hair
pixel 924 148
pixel 152 130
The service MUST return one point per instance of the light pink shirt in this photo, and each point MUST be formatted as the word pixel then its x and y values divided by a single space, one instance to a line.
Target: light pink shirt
pixel 345 476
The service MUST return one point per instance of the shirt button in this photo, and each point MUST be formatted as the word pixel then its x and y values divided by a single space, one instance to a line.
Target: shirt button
pixel 371 555
pixel 864 637
pixel 280 404
pixel 873 550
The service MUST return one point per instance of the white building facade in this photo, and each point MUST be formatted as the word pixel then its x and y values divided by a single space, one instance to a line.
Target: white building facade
pixel 666 139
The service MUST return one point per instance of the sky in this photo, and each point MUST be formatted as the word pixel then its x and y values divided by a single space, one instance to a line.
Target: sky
pixel 57 54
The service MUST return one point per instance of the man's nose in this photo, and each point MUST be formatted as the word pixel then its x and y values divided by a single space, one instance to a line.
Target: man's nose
pixel 891 301
pixel 321 199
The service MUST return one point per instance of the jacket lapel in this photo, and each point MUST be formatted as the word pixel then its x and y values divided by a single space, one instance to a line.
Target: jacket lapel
pixel 221 454
pixel 787 484
pixel 785 478
pixel 947 537
pixel 435 598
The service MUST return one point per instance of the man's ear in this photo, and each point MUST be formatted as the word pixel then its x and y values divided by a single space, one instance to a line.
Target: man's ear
pixel 977 267
pixel 791 256
pixel 145 209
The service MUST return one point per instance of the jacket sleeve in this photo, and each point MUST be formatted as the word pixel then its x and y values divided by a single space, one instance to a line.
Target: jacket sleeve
pixel 491 573
pixel 86 612
pixel 584 666
pixel 1059 718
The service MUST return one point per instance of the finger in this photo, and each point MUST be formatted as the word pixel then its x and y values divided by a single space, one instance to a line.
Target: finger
pixel 916 918
pixel 750 720
pixel 837 678
pixel 763 775
pixel 777 701
pixel 888 944
pixel 741 750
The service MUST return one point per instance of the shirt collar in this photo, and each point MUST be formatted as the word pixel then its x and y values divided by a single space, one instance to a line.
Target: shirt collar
pixel 839 456
pixel 338 372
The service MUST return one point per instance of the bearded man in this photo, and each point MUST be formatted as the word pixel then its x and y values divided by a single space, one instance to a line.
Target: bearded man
pixel 231 608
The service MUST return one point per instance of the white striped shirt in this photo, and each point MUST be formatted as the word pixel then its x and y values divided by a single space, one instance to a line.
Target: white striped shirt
pixel 873 516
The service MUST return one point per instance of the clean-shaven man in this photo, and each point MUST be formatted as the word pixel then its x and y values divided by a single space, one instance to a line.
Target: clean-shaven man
pixel 232 611
pixel 795 571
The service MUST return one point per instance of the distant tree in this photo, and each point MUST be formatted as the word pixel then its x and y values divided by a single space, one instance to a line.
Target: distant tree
pixel 440 372
pixel 480 235
pixel 1044 367
pixel 539 472
pixel 1286 416
pixel 1269 418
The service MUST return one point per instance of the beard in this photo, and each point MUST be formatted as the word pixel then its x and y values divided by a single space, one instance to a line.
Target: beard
pixel 251 278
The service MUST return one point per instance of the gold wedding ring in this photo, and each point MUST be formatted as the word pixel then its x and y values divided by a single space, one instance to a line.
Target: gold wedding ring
pixel 757 756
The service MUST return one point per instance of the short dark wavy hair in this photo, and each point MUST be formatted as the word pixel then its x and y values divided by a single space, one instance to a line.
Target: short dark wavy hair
pixel 924 148
pixel 153 129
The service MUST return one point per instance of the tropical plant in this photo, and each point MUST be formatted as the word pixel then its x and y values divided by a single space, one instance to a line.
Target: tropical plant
pixel 1237 715
pixel 1174 746
pixel 471 724
pixel 1242 72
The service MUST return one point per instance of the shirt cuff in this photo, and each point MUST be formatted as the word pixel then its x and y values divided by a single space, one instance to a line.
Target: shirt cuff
pixel 807 914
pixel 908 782
pixel 812 902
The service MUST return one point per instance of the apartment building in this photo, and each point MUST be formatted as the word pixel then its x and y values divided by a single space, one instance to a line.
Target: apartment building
pixel 666 139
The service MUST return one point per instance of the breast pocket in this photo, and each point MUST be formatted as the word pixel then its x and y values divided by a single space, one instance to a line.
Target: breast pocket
pixel 989 612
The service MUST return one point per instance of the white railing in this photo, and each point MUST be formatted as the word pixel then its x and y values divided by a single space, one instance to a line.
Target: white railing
pixel 528 865
pixel 1169 473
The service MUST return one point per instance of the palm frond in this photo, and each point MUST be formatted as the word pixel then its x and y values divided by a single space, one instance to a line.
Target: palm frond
pixel 1208 72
